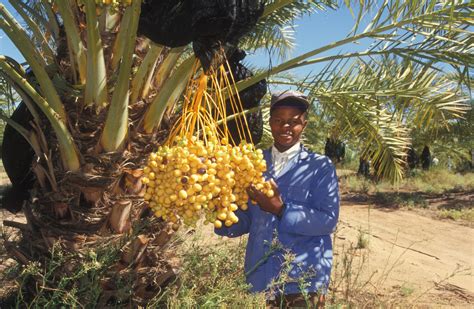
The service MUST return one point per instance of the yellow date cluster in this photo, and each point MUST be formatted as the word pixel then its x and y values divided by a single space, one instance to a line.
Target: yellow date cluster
pixel 113 2
pixel 193 178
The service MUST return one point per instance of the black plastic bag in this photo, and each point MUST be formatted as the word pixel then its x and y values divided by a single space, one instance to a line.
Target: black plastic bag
pixel 17 157
pixel 166 22
pixel 221 22
pixel 209 24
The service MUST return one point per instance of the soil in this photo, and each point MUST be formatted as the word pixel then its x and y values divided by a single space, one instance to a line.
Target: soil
pixel 410 254
pixel 398 254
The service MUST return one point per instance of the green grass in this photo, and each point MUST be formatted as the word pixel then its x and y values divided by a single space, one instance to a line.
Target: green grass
pixel 363 239
pixel 458 214
pixel 3 175
pixel 435 181
pixel 406 290
pixel 211 273
pixel 439 181
pixel 211 276
pixel 356 184
pixel 80 287
pixel 400 199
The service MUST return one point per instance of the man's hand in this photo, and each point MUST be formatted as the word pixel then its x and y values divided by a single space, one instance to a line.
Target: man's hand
pixel 272 204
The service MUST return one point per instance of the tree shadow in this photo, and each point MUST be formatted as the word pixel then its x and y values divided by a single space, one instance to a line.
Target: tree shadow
pixel 453 199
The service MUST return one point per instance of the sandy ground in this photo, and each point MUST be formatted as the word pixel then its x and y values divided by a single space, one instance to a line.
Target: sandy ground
pixel 409 256
pixel 427 261
pixel 430 259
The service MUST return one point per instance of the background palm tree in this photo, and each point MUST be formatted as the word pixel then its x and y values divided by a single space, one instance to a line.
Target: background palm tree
pixel 8 100
pixel 102 99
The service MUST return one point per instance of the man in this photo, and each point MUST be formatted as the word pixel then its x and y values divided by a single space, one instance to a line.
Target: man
pixel 289 250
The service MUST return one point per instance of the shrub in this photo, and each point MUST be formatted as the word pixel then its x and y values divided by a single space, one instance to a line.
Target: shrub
pixel 458 214
pixel 211 276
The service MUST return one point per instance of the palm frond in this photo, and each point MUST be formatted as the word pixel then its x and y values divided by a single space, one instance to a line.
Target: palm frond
pixel 37 35
pixel 8 96
pixel 381 138
pixel 447 43
pixel 278 40
pixel 379 102
pixel 275 30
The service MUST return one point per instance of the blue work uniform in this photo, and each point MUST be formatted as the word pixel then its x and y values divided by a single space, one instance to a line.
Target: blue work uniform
pixel 309 189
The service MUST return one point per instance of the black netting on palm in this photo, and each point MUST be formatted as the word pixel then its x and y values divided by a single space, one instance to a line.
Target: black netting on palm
pixel 209 24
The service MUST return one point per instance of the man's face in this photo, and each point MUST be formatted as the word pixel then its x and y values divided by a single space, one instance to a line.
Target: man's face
pixel 287 125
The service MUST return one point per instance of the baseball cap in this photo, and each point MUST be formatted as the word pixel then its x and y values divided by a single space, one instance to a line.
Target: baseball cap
pixel 289 98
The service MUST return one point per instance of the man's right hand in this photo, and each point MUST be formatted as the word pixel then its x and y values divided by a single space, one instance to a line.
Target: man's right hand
pixel 272 204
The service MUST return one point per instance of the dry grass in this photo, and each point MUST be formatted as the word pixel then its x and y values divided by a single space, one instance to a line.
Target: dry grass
pixel 3 175
pixel 212 272
pixel 435 181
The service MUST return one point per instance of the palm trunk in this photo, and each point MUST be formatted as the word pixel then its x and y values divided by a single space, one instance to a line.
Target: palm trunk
pixel 97 203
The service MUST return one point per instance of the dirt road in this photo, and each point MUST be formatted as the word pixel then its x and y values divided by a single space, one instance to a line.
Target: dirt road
pixel 427 260
pixel 407 255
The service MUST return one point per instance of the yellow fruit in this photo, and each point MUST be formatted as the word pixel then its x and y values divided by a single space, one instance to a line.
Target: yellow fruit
pixel 201 199
pixel 234 218
pixel 195 179
pixel 221 215
pixel 183 194
pixel 197 187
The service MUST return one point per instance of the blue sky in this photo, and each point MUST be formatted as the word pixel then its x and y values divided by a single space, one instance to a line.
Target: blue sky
pixel 311 32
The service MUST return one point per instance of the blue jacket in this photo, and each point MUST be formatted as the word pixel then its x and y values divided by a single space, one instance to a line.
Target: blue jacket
pixel 309 188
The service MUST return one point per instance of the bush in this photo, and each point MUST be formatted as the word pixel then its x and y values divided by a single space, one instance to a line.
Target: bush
pixel 457 214
pixel 440 181
pixel 77 288
pixel 357 184
pixel 211 276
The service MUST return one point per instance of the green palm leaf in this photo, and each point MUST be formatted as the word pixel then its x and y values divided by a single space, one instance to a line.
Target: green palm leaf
pixel 275 30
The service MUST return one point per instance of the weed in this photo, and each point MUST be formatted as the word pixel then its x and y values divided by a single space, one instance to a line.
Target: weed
pixel 54 288
pixel 357 184
pixel 406 290
pixel 363 239
pixel 414 201
pixel 457 214
pixel 436 181
pixel 439 181
pixel 211 276
pixel 388 199
pixel 401 199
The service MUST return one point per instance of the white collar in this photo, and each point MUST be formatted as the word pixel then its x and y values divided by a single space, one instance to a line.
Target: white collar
pixel 289 153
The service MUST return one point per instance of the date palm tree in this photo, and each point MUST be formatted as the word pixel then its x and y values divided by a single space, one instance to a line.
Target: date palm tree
pixel 102 99
pixel 8 99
